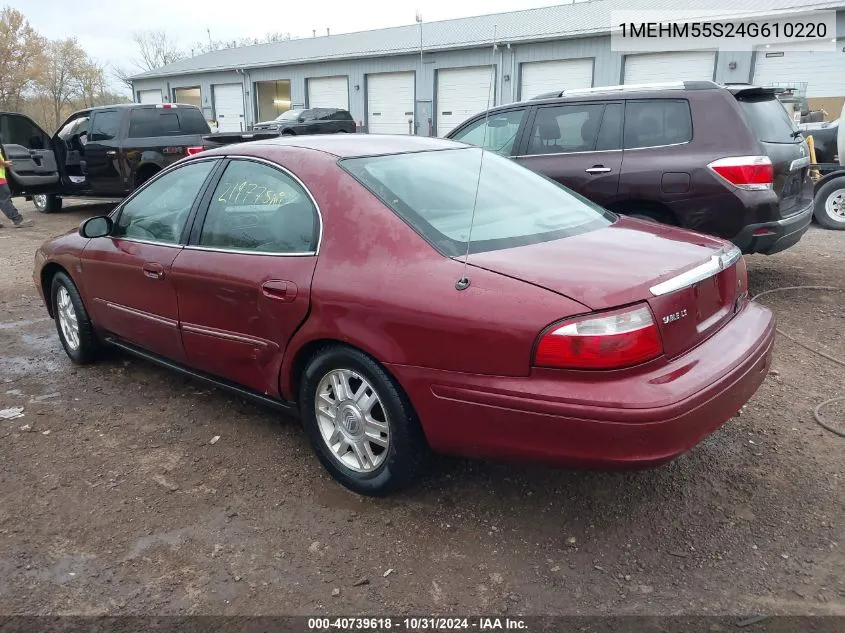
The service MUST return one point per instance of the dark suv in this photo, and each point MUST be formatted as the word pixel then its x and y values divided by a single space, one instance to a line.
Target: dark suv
pixel 104 151
pixel 310 121
pixel 722 160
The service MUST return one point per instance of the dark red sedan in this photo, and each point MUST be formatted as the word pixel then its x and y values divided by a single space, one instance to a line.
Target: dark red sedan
pixel 326 276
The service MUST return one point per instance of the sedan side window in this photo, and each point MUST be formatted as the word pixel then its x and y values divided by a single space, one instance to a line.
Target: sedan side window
pixel 159 211
pixel 497 135
pixel 257 208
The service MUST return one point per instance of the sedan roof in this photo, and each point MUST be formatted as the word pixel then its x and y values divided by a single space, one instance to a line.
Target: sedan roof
pixel 348 145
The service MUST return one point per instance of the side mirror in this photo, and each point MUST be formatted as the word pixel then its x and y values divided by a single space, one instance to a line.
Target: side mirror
pixel 98 226
pixel 301 119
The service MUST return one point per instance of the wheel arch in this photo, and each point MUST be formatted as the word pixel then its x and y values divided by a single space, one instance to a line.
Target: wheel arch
pixel 821 182
pixel 294 364
pixel 642 205
pixel 48 272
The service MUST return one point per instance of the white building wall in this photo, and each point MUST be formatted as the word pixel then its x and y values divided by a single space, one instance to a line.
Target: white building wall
pixel 608 69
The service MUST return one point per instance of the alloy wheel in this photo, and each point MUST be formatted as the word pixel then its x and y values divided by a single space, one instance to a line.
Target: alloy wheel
pixel 352 420
pixel 67 318
pixel 40 201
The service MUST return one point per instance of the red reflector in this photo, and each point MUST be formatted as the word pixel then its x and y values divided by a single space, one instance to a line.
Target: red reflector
pixel 194 150
pixel 164 105
pixel 745 172
pixel 759 232
pixel 613 341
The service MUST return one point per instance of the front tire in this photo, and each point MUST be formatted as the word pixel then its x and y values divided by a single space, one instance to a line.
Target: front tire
pixel 360 423
pixel 830 205
pixel 72 321
pixel 47 203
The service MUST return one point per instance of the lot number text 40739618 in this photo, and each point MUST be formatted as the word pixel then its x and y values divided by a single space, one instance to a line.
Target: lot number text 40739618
pixel 416 624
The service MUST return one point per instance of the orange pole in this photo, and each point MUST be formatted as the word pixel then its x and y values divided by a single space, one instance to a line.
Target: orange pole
pixel 814 174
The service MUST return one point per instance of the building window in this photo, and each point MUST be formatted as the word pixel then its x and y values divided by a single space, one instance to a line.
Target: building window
pixel 191 96
pixel 273 98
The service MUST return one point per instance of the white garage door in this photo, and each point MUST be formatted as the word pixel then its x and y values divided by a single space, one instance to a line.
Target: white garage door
pixel 662 67
pixel 149 96
pixel 390 102
pixel 328 92
pixel 461 92
pixel 229 107
pixel 541 77
pixel 823 71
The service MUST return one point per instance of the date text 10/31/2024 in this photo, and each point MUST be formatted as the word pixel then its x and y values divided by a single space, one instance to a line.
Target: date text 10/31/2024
pixel 417 624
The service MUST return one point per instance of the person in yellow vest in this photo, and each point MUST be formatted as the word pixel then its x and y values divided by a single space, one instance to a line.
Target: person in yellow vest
pixel 6 205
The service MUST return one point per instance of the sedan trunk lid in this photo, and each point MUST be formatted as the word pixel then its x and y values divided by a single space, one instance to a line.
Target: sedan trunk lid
pixel 690 289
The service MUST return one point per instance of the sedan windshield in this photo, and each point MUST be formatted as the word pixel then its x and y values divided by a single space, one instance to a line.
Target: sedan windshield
pixel 435 192
pixel 290 115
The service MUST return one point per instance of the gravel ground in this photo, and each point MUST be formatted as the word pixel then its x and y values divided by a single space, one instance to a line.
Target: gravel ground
pixel 114 501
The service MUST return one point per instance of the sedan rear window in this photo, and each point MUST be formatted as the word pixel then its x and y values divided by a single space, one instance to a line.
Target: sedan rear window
pixel 769 120
pixel 435 193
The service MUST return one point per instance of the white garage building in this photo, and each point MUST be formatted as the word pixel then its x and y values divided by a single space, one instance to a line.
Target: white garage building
pixel 427 78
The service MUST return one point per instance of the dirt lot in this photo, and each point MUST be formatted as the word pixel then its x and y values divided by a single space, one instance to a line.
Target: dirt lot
pixel 114 501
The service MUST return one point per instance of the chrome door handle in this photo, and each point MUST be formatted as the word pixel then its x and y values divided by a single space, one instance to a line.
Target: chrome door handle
pixel 598 170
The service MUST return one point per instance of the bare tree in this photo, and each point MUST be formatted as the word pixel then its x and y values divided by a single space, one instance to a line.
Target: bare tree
pixel 21 58
pixel 215 45
pixel 277 37
pixel 91 84
pixel 155 49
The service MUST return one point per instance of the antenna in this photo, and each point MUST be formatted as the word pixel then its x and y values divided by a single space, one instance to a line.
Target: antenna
pixel 463 282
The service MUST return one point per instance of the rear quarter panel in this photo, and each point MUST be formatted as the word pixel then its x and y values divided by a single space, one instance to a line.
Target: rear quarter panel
pixel 707 205
pixel 380 287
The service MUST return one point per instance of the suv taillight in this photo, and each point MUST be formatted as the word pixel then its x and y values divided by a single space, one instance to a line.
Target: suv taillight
pixel 190 151
pixel 606 341
pixel 745 172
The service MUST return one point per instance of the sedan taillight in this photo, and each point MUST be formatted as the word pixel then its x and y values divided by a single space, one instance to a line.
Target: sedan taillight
pixel 745 172
pixel 194 150
pixel 607 341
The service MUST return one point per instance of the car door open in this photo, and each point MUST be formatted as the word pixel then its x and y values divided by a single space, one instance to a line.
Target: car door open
pixel 244 279
pixel 34 167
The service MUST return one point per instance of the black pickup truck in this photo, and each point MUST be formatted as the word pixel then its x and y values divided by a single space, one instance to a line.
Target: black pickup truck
pixel 99 152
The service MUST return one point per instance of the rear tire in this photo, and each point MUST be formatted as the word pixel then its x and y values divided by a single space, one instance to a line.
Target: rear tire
pixel 47 203
pixel 360 423
pixel 830 204
pixel 72 321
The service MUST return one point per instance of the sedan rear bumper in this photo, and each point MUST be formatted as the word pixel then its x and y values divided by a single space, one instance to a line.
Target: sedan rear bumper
pixel 628 418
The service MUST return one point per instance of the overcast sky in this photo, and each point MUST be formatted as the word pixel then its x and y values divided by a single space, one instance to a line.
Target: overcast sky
pixel 105 29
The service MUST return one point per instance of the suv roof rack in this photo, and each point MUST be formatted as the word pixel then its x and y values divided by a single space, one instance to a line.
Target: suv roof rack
pixel 670 85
